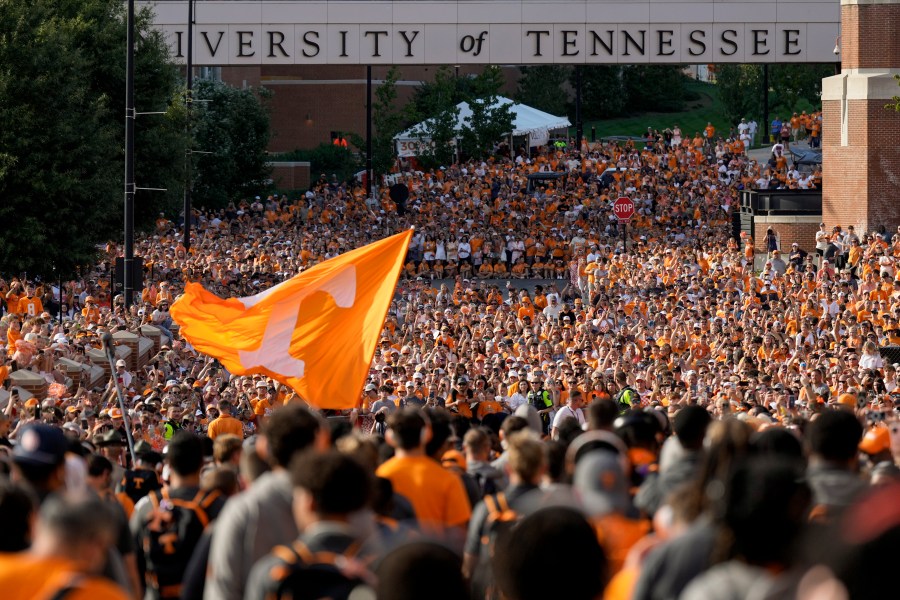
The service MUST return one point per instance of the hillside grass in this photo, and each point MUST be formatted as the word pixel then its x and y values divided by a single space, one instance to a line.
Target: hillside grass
pixel 707 107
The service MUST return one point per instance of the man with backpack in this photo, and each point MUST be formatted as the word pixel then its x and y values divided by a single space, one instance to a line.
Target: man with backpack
pixel 627 397
pixel 477 445
pixel 260 518
pixel 168 524
pixel 494 516
pixel 331 558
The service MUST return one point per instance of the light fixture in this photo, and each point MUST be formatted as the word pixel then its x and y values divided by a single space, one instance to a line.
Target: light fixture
pixel 837 45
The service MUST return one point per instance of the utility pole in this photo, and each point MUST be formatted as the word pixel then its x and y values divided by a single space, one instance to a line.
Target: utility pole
pixel 129 158
pixel 189 100
pixel 579 126
pixel 765 99
pixel 370 185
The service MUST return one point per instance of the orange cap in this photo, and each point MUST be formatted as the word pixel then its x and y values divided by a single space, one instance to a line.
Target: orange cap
pixel 848 400
pixel 877 439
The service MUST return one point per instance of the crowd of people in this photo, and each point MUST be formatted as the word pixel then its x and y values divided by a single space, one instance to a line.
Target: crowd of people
pixel 647 404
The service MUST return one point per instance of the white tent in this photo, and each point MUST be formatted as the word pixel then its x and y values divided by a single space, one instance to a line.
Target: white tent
pixel 527 121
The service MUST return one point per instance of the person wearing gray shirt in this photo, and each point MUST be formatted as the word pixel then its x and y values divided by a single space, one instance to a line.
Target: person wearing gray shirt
pixel 257 520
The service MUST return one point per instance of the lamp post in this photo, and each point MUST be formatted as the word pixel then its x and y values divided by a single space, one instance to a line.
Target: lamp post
pixel 128 263
pixel 189 99
pixel 369 174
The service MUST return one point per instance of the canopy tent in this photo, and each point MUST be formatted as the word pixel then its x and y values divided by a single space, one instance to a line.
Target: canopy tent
pixel 527 121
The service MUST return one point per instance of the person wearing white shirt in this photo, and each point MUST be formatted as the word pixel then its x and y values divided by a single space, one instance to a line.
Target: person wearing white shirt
pixel 551 311
pixel 871 358
pixel 572 410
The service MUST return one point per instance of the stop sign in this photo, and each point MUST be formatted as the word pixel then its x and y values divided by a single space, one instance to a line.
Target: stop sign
pixel 623 208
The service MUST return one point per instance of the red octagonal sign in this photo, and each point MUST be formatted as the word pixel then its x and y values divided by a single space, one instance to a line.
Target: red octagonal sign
pixel 623 208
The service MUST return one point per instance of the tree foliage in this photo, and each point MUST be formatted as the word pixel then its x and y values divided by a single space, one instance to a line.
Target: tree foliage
pixel 232 126
pixel 602 91
pixel 654 88
pixel 62 82
pixel 545 88
pixel 437 102
pixel 792 87
pixel 387 121
pixel 740 89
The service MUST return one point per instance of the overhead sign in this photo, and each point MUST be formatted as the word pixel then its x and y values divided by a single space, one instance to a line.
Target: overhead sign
pixel 520 32
pixel 623 208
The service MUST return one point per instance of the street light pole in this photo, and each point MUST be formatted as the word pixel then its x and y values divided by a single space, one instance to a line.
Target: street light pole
pixel 369 174
pixel 129 158
pixel 189 99
pixel 579 126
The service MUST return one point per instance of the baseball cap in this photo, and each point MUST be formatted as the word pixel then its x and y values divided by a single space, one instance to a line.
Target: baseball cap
pixel 600 483
pixel 120 363
pixel 371 387
pixel 877 439
pixel 40 446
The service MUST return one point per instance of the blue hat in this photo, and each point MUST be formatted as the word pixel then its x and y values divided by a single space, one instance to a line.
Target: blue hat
pixel 40 445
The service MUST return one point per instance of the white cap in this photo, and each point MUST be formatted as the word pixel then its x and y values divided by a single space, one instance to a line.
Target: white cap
pixel 120 363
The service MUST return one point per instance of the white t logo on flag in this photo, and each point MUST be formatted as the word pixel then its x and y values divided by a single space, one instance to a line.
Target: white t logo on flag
pixel 274 351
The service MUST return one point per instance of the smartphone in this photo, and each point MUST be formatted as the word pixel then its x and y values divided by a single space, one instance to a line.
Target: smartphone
pixel 792 400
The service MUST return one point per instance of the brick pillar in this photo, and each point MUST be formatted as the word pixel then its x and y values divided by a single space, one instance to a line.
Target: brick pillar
pixel 860 137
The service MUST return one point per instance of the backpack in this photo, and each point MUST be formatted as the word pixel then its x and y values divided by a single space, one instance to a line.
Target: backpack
pixel 501 519
pixel 627 398
pixel 487 485
pixel 172 530
pixel 313 575
pixel 137 483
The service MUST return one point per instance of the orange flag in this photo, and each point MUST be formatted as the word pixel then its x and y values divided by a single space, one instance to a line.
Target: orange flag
pixel 315 332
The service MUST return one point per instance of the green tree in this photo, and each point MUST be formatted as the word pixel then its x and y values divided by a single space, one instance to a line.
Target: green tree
pixel 740 89
pixel 387 119
pixel 62 90
pixel 602 91
pixel 797 87
pixel 654 88
pixel 544 87
pixel 232 125
pixel 490 119
pixel 160 140
pixel 489 122
pixel 61 181
pixel 434 106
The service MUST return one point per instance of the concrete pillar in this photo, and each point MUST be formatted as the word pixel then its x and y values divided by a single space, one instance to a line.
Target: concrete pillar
pixel 860 137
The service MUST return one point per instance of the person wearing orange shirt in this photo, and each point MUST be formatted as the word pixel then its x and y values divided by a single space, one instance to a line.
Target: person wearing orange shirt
pixel 12 297
pixel 225 423
pixel 165 294
pixel 90 312
pixel 263 403
pixel 13 335
pixel 437 495
pixel 69 550
pixel 29 304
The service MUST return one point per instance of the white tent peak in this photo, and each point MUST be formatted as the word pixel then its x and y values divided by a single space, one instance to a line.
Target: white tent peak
pixel 527 121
